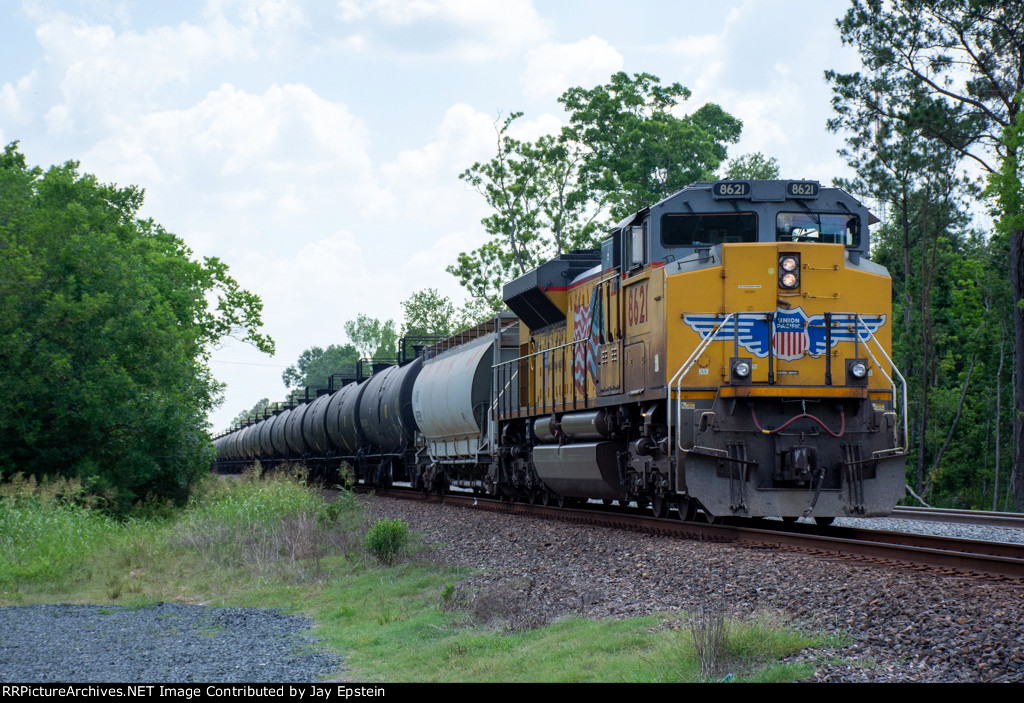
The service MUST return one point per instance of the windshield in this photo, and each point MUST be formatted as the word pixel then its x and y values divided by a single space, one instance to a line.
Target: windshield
pixel 815 227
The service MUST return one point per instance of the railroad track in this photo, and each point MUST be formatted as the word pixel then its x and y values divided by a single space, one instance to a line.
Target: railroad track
pixel 986 518
pixel 945 555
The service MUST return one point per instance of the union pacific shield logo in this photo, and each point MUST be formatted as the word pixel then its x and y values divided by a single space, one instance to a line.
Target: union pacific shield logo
pixel 789 335
pixel 790 339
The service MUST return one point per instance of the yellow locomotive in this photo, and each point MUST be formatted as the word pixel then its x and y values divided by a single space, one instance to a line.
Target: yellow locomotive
pixel 726 353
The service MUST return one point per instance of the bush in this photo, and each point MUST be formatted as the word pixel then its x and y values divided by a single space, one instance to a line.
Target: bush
pixel 386 539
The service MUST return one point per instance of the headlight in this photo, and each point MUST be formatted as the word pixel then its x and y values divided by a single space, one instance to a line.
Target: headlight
pixel 741 369
pixel 859 369
pixel 789 271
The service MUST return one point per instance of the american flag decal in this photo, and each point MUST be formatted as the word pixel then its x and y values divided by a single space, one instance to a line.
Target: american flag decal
pixel 587 330
pixel 580 332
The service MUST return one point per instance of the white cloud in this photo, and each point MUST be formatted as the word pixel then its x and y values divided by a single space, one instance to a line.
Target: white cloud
pixel 427 178
pixel 12 99
pixel 286 130
pixel 467 29
pixel 552 68
pixel 702 59
pixel 240 170
pixel 270 15
pixel 58 120
pixel 104 71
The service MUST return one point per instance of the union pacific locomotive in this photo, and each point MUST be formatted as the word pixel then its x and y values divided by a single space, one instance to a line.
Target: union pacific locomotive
pixel 725 353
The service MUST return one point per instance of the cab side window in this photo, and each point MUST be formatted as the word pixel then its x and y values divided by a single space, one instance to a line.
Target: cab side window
pixel 697 230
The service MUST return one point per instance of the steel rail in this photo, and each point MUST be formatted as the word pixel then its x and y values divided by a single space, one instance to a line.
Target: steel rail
pixel 988 518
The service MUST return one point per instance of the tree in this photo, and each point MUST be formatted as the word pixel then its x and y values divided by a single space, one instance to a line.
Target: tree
pixel 637 150
pixel 372 338
pixel 105 336
pixel 315 365
pixel 754 167
pixel 428 313
pixel 950 71
pixel 539 212
pixel 623 149
pixel 946 72
pixel 255 412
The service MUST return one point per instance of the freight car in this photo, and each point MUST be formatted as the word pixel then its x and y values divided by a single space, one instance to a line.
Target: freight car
pixel 725 353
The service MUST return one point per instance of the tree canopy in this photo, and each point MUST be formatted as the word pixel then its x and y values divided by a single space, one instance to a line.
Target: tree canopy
pixel 105 334
pixel 625 147
pixel 755 167
pixel 316 365
pixel 372 338
pixel 428 313
pixel 638 151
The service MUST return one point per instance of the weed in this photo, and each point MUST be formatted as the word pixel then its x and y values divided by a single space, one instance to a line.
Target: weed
pixel 507 605
pixel 448 597
pixel 386 540
pixel 115 585
pixel 709 629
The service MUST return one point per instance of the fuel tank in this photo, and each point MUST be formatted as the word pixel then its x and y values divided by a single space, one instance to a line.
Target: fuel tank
pixel 277 435
pixel 293 431
pixel 342 418
pixel 314 425
pixel 385 408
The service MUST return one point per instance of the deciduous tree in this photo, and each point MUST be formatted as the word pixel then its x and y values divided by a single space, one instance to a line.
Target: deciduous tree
pixel 105 334
pixel 315 366
pixel 372 338
pixel 625 147
pixel 944 74
pixel 638 149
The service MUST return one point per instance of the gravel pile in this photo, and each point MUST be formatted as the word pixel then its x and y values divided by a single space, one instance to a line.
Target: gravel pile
pixel 164 644
pixel 894 624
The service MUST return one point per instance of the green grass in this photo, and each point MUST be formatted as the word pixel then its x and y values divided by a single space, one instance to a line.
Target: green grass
pixel 47 538
pixel 275 542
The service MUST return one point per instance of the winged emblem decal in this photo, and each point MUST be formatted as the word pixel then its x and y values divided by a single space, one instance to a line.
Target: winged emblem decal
pixel 791 334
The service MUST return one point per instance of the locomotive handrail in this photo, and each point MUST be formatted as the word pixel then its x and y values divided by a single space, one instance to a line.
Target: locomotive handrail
pixel 903 381
pixel 494 405
pixel 684 369
pixel 537 353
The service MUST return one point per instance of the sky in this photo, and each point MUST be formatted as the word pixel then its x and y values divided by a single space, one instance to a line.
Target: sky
pixel 315 146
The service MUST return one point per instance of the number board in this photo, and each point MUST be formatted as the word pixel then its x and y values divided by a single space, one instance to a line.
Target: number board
pixel 636 304
pixel 730 189
pixel 802 189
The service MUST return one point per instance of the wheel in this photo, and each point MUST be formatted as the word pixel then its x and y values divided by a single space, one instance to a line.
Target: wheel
pixel 687 509
pixel 659 505
pixel 823 521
